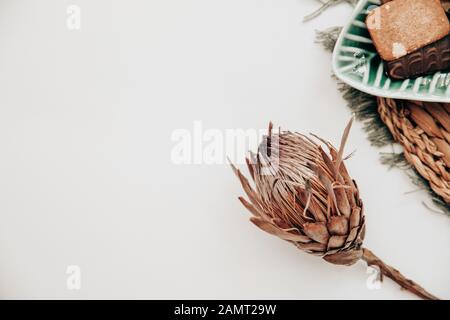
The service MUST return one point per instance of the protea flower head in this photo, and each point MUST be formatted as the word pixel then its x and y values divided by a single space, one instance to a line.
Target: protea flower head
pixel 302 193
pixel 305 195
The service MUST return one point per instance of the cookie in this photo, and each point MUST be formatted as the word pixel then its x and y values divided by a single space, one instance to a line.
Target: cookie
pixel 400 27
pixel 429 59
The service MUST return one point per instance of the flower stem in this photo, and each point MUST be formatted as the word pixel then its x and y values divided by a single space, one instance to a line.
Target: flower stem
pixel 395 275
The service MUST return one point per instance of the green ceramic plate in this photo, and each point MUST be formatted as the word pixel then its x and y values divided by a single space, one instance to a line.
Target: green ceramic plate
pixel 357 63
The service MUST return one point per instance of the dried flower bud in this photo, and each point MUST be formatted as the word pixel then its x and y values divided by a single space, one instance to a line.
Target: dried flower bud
pixel 304 195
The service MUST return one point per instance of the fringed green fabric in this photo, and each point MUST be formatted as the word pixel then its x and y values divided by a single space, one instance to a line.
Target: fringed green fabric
pixel 365 109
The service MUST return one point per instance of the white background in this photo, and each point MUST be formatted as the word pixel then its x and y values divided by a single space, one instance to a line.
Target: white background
pixel 86 176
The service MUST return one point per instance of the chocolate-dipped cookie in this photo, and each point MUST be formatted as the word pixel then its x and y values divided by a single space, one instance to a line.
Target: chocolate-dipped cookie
pixel 429 59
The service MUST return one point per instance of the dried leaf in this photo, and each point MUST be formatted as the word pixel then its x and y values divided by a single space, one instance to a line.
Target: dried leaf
pixel 274 230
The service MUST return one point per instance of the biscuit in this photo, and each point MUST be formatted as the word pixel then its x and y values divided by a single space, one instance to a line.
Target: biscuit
pixel 429 59
pixel 400 27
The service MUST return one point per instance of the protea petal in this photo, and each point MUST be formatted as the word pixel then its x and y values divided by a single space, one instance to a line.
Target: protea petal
pixel 338 226
pixel 274 230
pixel 317 231
pixel 346 258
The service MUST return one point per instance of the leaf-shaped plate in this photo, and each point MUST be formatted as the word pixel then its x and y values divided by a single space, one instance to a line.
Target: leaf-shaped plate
pixel 357 63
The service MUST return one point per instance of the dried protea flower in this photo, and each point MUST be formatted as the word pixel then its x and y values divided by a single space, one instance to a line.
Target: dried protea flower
pixel 305 195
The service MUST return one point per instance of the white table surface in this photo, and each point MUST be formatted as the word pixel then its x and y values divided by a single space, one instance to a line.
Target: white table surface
pixel 86 175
